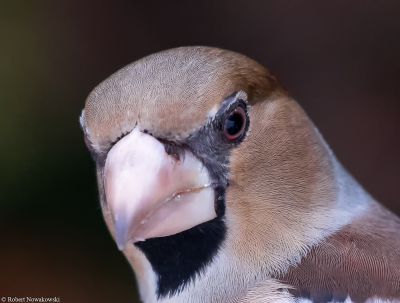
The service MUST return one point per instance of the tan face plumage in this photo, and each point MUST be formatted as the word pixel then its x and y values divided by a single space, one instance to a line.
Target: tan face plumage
pixel 171 93
pixel 277 192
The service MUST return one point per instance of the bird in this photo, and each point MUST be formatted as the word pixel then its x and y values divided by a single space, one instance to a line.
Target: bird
pixel 217 187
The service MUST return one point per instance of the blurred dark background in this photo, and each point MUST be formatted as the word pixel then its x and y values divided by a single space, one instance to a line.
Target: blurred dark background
pixel 339 59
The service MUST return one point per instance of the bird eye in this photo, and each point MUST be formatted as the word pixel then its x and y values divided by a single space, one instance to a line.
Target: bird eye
pixel 235 124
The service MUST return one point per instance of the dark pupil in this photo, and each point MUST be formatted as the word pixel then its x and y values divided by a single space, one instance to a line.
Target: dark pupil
pixel 234 124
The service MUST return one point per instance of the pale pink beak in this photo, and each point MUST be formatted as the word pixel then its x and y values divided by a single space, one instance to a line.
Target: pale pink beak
pixel 150 193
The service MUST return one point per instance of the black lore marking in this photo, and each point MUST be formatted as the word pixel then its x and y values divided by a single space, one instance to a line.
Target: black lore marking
pixel 177 259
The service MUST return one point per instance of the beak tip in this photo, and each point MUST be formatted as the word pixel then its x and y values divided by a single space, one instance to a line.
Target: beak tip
pixel 121 233
pixel 121 246
pixel 121 243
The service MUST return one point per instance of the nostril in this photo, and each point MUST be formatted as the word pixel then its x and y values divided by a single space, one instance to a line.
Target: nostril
pixel 175 156
pixel 173 150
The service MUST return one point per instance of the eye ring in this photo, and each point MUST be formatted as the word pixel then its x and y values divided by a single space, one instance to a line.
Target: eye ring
pixel 235 124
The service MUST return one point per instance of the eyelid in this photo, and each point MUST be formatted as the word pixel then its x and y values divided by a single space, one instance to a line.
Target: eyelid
pixel 234 106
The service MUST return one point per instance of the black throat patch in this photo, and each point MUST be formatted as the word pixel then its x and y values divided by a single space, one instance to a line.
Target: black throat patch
pixel 177 259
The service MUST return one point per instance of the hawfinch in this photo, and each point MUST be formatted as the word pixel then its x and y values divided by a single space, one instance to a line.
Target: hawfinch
pixel 217 187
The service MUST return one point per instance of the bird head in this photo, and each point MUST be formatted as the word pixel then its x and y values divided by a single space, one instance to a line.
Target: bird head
pixel 206 167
